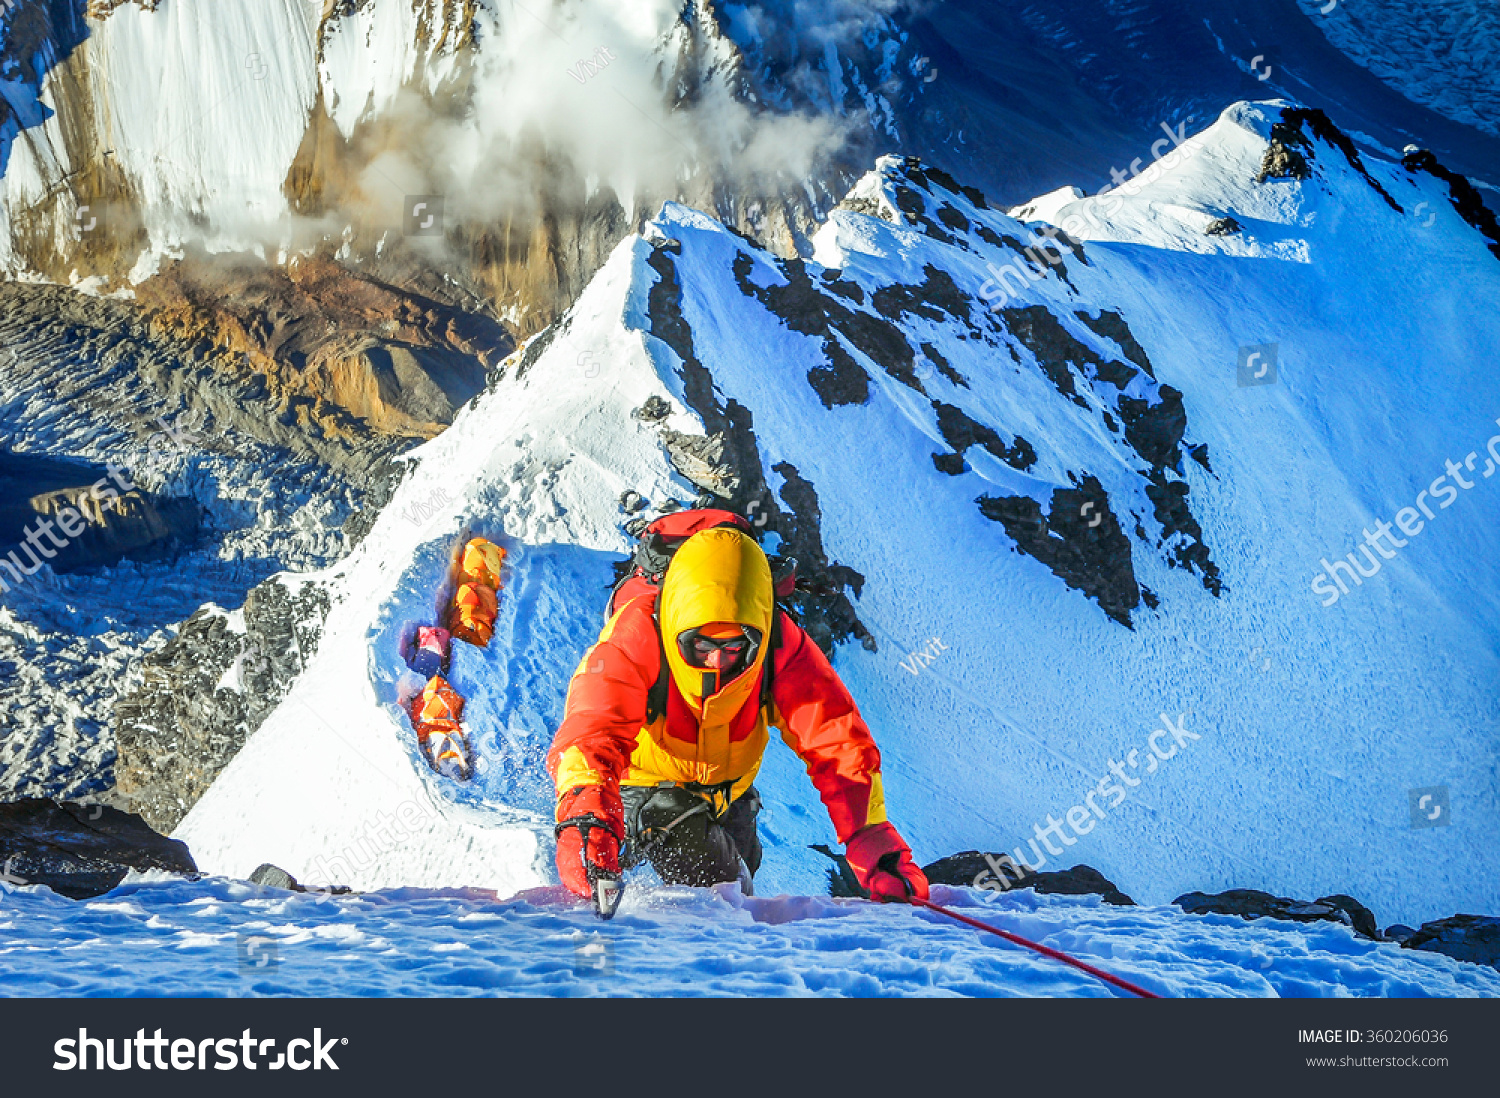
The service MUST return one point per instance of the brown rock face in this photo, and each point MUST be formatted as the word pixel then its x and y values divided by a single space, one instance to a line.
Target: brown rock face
pixel 401 361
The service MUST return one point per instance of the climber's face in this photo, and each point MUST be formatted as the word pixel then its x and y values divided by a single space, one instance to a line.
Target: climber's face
pixel 724 647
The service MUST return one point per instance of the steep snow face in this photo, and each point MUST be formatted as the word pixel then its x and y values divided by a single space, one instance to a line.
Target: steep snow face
pixel 1077 526
pixel 219 937
pixel 203 106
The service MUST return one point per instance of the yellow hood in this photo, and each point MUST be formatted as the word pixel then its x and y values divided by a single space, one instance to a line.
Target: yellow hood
pixel 717 575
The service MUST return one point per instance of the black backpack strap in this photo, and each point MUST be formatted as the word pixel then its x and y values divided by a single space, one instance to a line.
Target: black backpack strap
pixel 656 697
pixel 768 669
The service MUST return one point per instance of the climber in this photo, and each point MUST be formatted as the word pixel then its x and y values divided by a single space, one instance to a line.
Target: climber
pixel 667 720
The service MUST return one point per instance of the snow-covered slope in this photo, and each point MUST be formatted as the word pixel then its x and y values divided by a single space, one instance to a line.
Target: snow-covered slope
pixel 218 937
pixel 884 407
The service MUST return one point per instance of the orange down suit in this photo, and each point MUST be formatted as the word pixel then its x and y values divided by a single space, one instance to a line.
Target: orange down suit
pixel 718 575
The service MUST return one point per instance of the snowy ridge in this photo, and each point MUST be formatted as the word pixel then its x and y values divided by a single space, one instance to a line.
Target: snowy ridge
pixel 1327 715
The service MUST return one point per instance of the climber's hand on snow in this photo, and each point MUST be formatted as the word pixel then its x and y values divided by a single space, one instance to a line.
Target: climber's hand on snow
pixel 882 862
pixel 590 824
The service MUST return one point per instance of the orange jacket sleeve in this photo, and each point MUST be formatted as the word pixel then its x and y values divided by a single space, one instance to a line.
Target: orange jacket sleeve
pixel 606 703
pixel 820 722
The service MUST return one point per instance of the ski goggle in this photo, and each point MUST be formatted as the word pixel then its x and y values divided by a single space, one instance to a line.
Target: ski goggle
pixel 716 653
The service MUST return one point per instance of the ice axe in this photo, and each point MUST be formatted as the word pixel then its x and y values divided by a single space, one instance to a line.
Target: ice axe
pixel 608 889
pixel 605 887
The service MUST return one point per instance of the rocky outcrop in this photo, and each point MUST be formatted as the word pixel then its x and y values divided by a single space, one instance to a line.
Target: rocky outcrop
pixel 71 516
pixel 1250 903
pixel 963 870
pixel 205 692
pixel 125 375
pixel 1473 938
pixel 726 466
pixel 1467 201
pixel 81 851
pixel 398 360
pixel 1291 151
pixel 1078 538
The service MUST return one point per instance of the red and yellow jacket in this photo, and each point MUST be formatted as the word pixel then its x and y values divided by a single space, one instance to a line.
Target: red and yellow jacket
pixel 718 575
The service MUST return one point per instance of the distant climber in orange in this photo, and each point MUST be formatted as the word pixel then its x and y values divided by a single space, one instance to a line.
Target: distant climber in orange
pixel 668 717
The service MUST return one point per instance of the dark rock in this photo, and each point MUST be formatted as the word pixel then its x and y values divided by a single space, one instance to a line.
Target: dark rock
pixel 842 381
pixel 273 876
pixel 952 464
pixel 631 501
pixel 1111 325
pixel 1080 541
pixel 1398 932
pixel 654 410
pixel 179 728
pixel 1250 903
pixel 1474 938
pixel 1155 430
pixel 1223 226
pixel 962 870
pixel 726 463
pixel 960 431
pixel 380 484
pixel 1466 200
pixel 1169 501
pixel 81 851
pixel 1282 161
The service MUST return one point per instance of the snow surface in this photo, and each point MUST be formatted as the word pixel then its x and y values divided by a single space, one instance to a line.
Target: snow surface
pixel 219 937
pixel 1314 722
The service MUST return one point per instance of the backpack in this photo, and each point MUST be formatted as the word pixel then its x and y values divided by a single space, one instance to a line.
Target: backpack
pixel 642 574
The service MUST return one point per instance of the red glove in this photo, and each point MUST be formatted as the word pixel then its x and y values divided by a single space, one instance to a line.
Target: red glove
pixel 590 825
pixel 881 861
